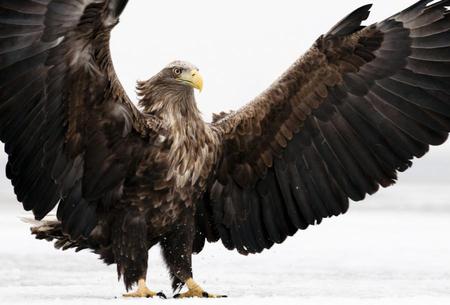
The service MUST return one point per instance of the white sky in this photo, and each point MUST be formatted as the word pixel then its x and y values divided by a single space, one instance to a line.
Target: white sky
pixel 240 46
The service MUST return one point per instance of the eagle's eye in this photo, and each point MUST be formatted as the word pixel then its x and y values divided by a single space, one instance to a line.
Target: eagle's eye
pixel 176 71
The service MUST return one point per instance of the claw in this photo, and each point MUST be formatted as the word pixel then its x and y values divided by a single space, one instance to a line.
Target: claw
pixel 193 294
pixel 196 291
pixel 144 292
pixel 213 296
pixel 161 295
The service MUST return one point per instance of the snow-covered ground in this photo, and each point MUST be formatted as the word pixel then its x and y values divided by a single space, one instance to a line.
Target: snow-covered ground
pixel 394 249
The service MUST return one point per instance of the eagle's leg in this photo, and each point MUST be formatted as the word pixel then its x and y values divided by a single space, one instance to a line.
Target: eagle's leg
pixel 130 248
pixel 177 252
pixel 143 291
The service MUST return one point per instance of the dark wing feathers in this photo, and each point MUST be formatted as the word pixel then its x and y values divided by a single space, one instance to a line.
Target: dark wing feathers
pixel 64 118
pixel 351 23
pixel 340 123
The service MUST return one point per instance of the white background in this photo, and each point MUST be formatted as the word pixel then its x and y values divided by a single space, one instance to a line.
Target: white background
pixel 392 249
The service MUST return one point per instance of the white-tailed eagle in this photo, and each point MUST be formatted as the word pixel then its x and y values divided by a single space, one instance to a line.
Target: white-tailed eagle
pixel 353 111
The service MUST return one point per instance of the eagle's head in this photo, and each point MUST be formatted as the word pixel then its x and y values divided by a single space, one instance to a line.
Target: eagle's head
pixel 182 73
pixel 172 85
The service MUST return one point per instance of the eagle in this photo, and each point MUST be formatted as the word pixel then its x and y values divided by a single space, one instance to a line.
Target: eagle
pixel 340 123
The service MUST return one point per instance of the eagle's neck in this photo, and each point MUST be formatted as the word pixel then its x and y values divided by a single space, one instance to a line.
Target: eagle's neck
pixel 190 137
pixel 176 107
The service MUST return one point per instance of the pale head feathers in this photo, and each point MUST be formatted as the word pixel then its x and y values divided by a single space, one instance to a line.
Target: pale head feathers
pixel 181 64
pixel 164 87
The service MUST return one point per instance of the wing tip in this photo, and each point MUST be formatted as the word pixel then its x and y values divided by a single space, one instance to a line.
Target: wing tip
pixel 352 22
pixel 117 7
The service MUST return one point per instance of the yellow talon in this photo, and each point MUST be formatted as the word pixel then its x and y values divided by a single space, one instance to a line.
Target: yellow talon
pixel 143 292
pixel 195 291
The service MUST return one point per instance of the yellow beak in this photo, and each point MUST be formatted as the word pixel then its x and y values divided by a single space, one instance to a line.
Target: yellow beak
pixel 193 78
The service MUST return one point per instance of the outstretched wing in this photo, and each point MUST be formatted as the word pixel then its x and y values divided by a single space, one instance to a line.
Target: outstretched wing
pixel 343 120
pixel 67 124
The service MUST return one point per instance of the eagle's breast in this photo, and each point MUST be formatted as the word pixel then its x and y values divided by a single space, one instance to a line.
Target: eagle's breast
pixel 192 154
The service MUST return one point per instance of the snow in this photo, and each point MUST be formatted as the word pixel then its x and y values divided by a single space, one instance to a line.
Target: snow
pixel 393 249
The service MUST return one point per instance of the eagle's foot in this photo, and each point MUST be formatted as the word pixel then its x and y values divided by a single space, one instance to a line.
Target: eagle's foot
pixel 197 294
pixel 144 292
pixel 195 291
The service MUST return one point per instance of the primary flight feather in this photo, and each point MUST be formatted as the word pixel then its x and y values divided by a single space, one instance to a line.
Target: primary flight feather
pixel 356 109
